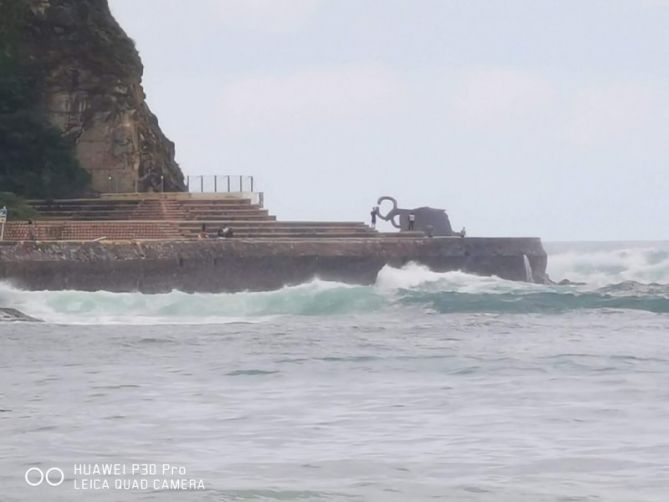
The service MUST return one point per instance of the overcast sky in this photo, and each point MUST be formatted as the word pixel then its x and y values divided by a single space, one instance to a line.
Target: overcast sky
pixel 520 117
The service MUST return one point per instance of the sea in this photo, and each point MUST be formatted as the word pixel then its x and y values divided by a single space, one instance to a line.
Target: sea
pixel 424 386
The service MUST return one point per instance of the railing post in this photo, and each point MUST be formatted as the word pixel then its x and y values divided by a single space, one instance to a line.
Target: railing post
pixel 215 183
pixel 162 183
pixel 188 183
pixel 202 184
pixel 241 187
pixel 251 184
pixel 228 178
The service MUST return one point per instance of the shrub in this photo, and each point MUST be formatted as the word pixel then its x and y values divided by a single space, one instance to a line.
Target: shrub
pixel 17 208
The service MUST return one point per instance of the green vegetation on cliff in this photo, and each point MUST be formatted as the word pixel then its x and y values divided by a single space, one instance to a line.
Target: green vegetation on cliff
pixel 18 208
pixel 35 160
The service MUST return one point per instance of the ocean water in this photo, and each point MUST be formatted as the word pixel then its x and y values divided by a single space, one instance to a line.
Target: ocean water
pixel 425 386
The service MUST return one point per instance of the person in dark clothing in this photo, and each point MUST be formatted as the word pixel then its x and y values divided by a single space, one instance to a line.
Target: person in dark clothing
pixel 31 231
pixel 412 222
pixel 374 213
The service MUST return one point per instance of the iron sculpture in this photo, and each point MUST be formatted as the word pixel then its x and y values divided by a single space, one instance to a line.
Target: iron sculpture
pixel 434 222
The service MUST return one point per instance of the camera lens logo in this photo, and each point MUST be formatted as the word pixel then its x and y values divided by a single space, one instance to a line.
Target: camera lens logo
pixel 53 477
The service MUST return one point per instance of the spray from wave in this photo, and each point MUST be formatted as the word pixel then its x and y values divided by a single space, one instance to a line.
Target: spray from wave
pixel 630 278
pixel 600 264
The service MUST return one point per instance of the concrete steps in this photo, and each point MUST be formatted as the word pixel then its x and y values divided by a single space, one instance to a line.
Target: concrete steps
pixel 146 209
pixel 136 198
pixel 279 229
pixel 175 216
pixel 289 233
pixel 152 215
pixel 53 230
pixel 297 236
pixel 123 230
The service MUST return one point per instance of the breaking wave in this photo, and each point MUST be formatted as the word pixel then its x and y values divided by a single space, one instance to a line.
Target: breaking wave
pixel 313 298
pixel 634 278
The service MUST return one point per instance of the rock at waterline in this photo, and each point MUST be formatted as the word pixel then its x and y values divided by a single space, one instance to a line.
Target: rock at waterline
pixel 13 315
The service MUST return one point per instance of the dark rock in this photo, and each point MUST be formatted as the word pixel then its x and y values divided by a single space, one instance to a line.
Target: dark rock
pixel 13 315
pixel 567 282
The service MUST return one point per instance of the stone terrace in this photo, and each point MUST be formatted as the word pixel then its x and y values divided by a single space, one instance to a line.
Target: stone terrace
pixel 177 216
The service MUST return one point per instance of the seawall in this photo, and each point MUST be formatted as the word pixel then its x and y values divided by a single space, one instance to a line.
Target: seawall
pixel 252 264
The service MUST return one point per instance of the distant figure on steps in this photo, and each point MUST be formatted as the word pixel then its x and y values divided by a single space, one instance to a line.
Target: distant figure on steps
pixel 224 233
pixel 412 221
pixel 374 214
pixel 31 231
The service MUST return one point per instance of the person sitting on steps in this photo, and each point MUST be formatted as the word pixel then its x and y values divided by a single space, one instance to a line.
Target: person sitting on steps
pixel 224 233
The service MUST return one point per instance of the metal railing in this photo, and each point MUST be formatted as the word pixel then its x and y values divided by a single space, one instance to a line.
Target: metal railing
pixel 215 183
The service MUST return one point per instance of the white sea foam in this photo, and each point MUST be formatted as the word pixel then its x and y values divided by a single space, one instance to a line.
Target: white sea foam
pixel 414 276
pixel 601 267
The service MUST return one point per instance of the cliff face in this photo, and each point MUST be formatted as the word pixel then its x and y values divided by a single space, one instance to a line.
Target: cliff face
pixel 92 92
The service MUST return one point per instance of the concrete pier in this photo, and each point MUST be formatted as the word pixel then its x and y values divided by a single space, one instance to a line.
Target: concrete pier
pixel 253 264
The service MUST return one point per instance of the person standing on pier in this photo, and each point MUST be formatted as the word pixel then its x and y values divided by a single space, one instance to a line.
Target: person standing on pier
pixel 374 214
pixel 412 222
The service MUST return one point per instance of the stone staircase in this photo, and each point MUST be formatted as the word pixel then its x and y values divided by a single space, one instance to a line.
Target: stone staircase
pixel 173 217
pixel 43 230
pixel 281 230
pixel 87 209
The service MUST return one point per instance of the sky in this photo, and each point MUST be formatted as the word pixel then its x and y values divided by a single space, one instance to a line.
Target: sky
pixel 545 118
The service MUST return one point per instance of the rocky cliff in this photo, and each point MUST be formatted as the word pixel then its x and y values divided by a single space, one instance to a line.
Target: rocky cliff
pixel 92 92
